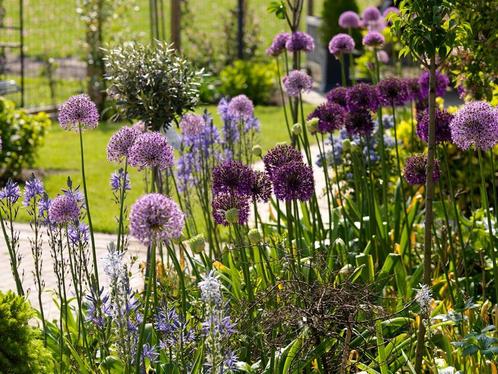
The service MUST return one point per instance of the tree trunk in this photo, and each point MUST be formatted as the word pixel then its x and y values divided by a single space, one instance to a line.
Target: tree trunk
pixel 176 25
pixel 240 29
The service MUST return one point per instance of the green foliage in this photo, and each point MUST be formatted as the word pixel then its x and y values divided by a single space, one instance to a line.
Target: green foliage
pixel 21 135
pixel 256 80
pixel 331 11
pixel 151 83
pixel 22 350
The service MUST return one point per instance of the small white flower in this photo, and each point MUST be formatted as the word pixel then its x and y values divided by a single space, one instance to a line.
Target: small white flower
pixel 210 288
pixel 424 298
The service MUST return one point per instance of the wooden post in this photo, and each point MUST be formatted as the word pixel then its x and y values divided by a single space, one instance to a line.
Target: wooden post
pixel 176 25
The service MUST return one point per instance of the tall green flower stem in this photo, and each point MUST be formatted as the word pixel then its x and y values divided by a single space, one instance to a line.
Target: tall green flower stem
pixel 181 278
pixel 122 194
pixel 11 249
pixel 150 271
pixel 282 97
pixel 485 206
pixel 352 72
pixel 343 70
pixel 493 182
pixel 87 206
pixel 330 200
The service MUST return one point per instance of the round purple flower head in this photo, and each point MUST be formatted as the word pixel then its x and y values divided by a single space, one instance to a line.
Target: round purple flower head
pixel 363 96
pixel 64 209
pixel 413 88
pixel 359 122
pixel 192 125
pixel 240 108
pixel 340 44
pixel 389 10
pixel 476 124
pixel 120 143
pixel 330 116
pixel 78 111
pixel 383 57
pixel 349 20
pixel 338 96
pixel 233 177
pixel 300 41
pixel 278 44
pixel 296 82
pixel 151 149
pixel 260 187
pixel 443 120
pixel 280 155
pixel 293 181
pixel 392 91
pixel 371 14
pixel 416 169
pixel 230 208
pixel 442 83
pixel 156 217
pixel 373 39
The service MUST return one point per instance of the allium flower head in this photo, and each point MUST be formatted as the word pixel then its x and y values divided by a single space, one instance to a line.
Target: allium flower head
pixel 293 181
pixel 300 41
pixel 373 39
pixel 371 14
pixel 297 82
pixel 230 207
pixel 64 209
pixel 11 192
pixel 280 155
pixel 192 125
pixel 338 96
pixel 363 96
pixel 476 124
pixel 120 143
pixel 413 88
pixel 33 188
pixel 389 10
pixel 120 179
pixel 442 83
pixel 240 108
pixel 416 169
pixel 151 149
pixel 392 91
pixel 278 44
pixel 233 177
pixel 330 116
pixel 349 20
pixel 78 110
pixel 341 44
pixel 382 56
pixel 156 217
pixel 359 122
pixel 443 120
pixel 260 186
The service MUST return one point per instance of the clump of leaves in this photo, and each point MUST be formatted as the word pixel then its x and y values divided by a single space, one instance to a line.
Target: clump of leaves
pixel 22 350
pixel 151 83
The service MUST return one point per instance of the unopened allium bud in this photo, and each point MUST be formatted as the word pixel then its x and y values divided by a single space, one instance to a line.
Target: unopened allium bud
pixel 257 150
pixel 232 216
pixel 254 236
pixel 312 125
pixel 346 145
pixel 297 129
pixel 197 243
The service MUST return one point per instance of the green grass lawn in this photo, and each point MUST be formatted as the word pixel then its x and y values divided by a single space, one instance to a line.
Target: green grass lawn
pixel 60 158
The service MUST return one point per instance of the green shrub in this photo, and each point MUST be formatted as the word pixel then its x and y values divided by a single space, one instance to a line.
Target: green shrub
pixel 21 135
pixel 329 27
pixel 254 79
pixel 21 349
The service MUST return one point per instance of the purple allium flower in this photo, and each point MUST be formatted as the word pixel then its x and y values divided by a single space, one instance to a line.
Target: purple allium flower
pixel 151 149
pixel 349 20
pixel 389 10
pixel 371 14
pixel 240 108
pixel 416 169
pixel 373 39
pixel 278 44
pixel 78 110
pixel 64 209
pixel 363 96
pixel 300 41
pixel 383 57
pixel 279 156
pixel 330 116
pixel 392 91
pixel 156 217
pixel 33 188
pixel 261 186
pixel 442 83
pixel 293 181
pixel 340 44
pixel 359 122
pixel 235 206
pixel 378 25
pixel 413 87
pixel 338 96
pixel 296 82
pixel 11 192
pixel 443 120
pixel 78 233
pixel 233 177
pixel 121 142
pixel 118 178
pixel 150 352
pixel 476 124
pixel 192 125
